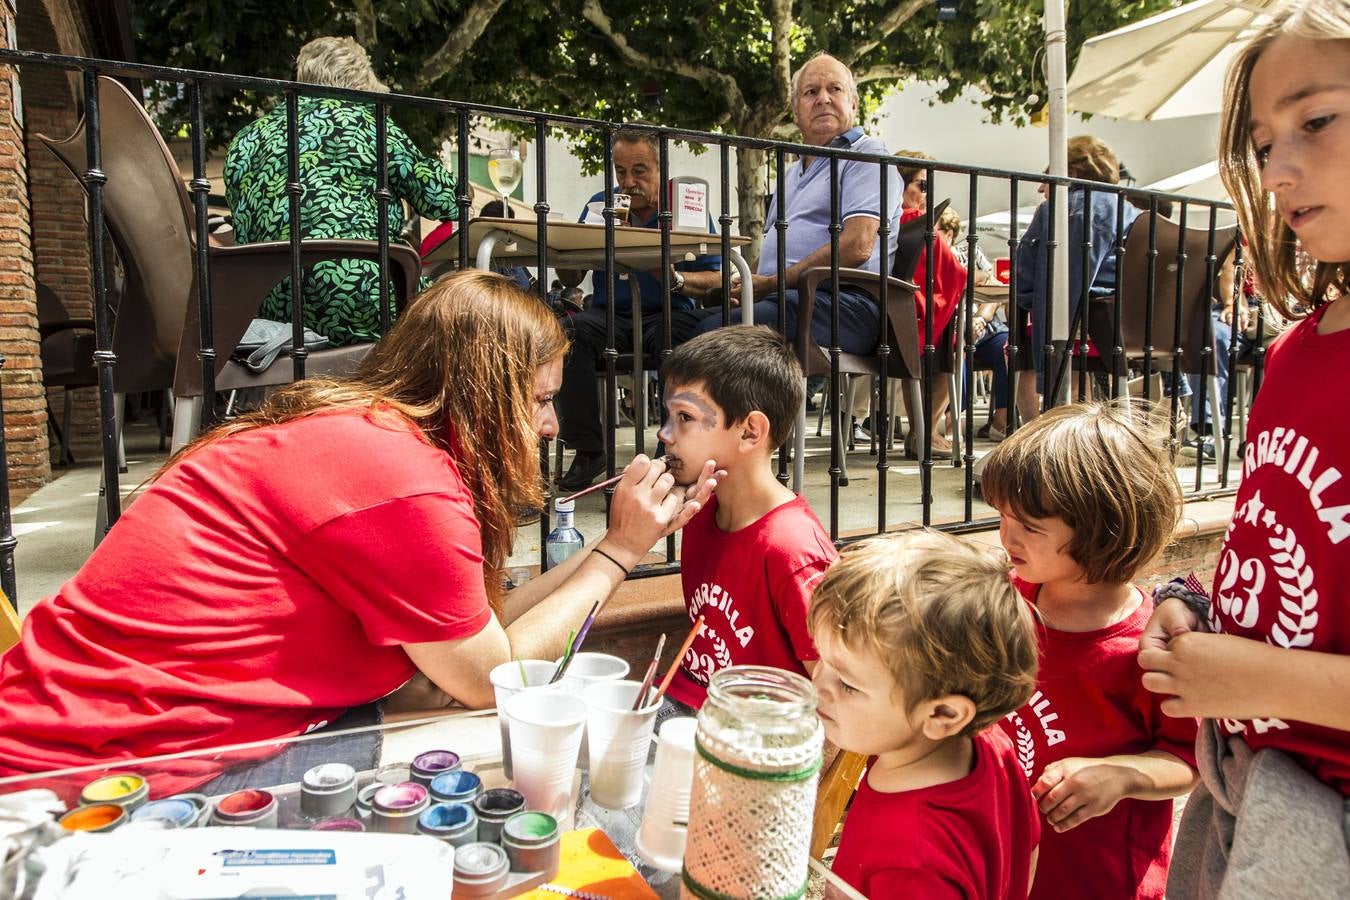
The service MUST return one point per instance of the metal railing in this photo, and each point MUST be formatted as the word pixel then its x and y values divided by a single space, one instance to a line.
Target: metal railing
pixel 1062 355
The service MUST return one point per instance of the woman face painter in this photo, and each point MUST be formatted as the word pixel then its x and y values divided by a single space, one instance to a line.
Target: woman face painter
pixel 315 556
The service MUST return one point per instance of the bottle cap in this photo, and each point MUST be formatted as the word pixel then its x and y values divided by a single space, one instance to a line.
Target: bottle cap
pixel 564 506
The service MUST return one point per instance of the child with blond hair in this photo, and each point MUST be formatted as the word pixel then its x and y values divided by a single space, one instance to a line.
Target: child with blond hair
pixel 924 646
pixel 1086 498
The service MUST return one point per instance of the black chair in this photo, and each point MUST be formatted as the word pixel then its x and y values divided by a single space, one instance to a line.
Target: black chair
pixel 67 348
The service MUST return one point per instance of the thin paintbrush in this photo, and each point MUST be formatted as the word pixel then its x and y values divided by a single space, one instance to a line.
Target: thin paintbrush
pixel 679 655
pixel 562 663
pixel 575 644
pixel 641 698
pixel 607 482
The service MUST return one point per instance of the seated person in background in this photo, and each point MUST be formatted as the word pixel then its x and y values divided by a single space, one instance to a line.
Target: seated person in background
pixel 825 99
pixel 1089 158
pixel 949 285
pixel 637 173
pixel 337 168
pixel 732 396
pixel 924 646
pixel 1087 499
pixel 988 329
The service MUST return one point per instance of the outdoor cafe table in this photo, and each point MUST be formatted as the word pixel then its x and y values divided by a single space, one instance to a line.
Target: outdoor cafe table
pixel 473 734
pixel 578 245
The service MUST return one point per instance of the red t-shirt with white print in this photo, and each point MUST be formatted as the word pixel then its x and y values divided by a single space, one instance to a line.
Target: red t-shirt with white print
pixel 753 587
pixel 1090 702
pixel 969 839
pixel 1285 563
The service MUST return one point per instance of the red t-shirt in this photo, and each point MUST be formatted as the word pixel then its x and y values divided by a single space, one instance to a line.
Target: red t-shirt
pixel 949 281
pixel 1285 565
pixel 753 587
pixel 1090 702
pixel 258 589
pixel 969 839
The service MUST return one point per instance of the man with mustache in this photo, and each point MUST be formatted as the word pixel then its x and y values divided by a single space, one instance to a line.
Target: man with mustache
pixel 637 173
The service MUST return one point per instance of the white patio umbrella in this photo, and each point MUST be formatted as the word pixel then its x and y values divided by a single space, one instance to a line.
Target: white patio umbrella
pixel 1166 66
pixel 1201 181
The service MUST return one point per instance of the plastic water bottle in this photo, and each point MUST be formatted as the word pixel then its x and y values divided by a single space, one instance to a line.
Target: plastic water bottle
pixel 564 539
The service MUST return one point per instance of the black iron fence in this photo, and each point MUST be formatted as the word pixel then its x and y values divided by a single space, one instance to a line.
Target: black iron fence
pixel 1113 336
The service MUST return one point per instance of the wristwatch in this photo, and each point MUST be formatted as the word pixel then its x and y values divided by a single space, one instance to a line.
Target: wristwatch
pixel 677 281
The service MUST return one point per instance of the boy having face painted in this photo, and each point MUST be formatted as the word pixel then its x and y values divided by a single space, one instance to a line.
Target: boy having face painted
pixel 751 557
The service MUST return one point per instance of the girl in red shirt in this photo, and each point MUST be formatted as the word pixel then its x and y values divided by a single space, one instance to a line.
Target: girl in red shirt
pixel 1087 499
pixel 1269 664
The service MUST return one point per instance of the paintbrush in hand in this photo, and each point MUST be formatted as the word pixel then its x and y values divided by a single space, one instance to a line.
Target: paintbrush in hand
pixel 641 698
pixel 608 481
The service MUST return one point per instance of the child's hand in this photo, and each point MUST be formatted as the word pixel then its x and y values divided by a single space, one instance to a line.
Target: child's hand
pixel 1211 676
pixel 696 496
pixel 1076 789
pixel 1170 618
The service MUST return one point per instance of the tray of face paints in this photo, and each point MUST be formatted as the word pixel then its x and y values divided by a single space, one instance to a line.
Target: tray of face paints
pixel 335 833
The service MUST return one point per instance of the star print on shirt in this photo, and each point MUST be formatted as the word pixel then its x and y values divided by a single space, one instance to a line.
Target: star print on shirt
pixel 1269 518
pixel 1254 507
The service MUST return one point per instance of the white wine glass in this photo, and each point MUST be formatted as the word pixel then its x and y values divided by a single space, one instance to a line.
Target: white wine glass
pixel 504 170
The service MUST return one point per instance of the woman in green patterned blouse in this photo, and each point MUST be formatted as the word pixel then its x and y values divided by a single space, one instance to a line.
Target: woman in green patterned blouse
pixel 337 169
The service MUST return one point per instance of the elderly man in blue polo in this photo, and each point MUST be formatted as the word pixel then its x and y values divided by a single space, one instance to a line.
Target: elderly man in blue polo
pixel 825 100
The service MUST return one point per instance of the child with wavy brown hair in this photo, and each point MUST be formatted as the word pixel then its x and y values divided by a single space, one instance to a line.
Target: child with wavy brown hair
pixel 1268 663
pixel 1087 497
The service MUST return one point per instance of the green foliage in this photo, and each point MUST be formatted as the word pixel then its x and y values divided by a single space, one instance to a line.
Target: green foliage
pixel 544 55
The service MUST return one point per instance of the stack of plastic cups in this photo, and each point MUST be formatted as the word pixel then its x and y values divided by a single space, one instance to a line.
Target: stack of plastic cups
pixel 546 729
pixel 618 739
pixel 506 683
pixel 665 819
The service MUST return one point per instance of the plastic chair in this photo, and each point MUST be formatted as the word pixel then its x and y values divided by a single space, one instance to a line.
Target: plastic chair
pixel 152 223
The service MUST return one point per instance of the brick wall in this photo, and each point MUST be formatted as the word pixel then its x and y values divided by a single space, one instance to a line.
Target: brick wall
pixel 25 405
pixel 60 231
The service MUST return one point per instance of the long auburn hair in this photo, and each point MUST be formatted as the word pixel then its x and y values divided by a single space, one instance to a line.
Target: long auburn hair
pixel 1284 273
pixel 460 363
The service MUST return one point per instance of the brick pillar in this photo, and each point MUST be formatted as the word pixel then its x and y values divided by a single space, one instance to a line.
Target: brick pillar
pixel 25 403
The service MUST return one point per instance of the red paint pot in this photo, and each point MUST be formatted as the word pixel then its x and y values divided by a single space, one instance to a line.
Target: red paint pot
pixel 254 808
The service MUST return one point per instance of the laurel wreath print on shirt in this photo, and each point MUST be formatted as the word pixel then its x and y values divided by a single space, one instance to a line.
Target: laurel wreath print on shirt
pixel 1297 618
pixel 702 665
pixel 1026 747
pixel 1242 583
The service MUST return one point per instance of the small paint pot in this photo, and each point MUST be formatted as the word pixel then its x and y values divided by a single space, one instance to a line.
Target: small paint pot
pixel 200 802
pixel 339 824
pixel 494 807
pixel 363 798
pixel 128 791
pixel 96 818
pixel 531 842
pixel 426 766
pixel 177 811
pixel 456 787
pixel 328 790
pixel 455 823
pixel 254 808
pixel 395 807
pixel 481 869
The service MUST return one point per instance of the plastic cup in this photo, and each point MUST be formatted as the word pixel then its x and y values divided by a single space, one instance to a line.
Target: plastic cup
pixel 665 819
pixel 506 684
pixel 619 739
pixel 546 730
pixel 585 670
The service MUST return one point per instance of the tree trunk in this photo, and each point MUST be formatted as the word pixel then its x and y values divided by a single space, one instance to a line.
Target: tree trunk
pixel 752 191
